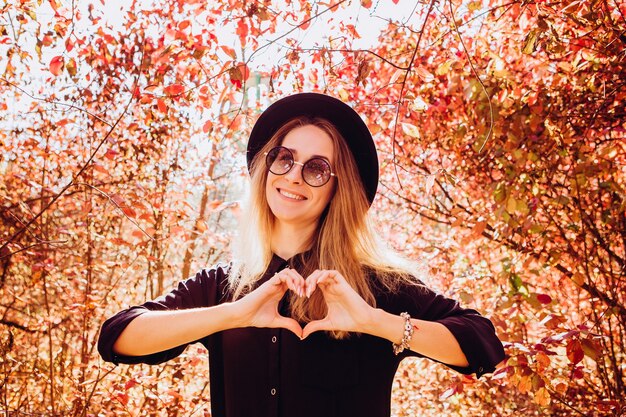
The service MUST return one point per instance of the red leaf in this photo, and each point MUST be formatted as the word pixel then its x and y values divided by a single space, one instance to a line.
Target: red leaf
pixel 208 125
pixel 238 74
pixel 575 351
pixel 174 90
pixel 544 298
pixel 69 44
pixel 366 3
pixel 56 65
pixel 130 383
pixel 111 154
pixel 122 397
pixel 126 209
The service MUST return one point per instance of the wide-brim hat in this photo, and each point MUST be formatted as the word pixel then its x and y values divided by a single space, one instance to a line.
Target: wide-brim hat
pixel 343 117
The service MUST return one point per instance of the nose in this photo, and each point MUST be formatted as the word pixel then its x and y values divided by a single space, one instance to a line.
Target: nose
pixel 295 173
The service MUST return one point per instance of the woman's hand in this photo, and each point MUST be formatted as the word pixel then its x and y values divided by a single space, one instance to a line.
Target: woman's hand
pixel 347 311
pixel 260 307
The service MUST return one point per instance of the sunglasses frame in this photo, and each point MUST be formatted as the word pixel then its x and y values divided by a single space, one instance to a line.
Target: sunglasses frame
pixel 302 165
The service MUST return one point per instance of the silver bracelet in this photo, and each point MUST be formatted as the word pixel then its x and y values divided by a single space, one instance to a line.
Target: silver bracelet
pixel 406 336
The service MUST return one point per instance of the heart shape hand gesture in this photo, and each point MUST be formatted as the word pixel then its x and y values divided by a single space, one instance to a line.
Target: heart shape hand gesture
pixel 347 311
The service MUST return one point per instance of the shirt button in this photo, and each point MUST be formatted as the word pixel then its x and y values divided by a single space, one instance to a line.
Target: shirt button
pixel 274 339
pixel 273 391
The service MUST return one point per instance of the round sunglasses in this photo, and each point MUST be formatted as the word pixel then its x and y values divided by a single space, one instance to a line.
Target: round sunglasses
pixel 315 172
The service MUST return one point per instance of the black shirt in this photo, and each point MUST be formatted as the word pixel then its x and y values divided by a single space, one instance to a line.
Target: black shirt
pixel 271 372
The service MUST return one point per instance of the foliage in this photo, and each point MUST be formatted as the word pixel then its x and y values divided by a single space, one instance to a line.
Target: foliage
pixel 500 127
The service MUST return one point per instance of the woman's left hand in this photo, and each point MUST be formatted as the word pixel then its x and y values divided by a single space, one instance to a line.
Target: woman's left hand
pixel 347 311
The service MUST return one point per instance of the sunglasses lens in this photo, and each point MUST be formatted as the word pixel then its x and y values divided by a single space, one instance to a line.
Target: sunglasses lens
pixel 279 160
pixel 316 172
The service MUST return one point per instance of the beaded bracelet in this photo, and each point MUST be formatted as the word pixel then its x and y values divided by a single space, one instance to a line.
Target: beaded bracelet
pixel 406 336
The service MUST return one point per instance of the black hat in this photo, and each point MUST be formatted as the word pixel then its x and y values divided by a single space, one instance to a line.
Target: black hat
pixel 343 117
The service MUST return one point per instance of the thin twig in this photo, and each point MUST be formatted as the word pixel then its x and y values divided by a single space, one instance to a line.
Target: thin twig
pixel 57 103
pixel 83 168
pixel 104 194
pixel 402 87
pixel 469 60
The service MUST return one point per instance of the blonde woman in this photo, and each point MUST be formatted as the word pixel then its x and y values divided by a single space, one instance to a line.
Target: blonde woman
pixel 313 315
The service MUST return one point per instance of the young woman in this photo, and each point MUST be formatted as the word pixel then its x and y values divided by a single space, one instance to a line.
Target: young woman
pixel 313 316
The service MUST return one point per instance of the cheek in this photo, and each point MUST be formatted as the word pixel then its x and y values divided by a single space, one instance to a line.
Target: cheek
pixel 327 194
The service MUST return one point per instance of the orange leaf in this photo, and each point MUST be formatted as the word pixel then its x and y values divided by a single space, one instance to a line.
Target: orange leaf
pixel 242 31
pixel 366 3
pixel 208 125
pixel 229 51
pixel 161 105
pixel 353 31
pixel 201 226
pixel 424 74
pixel 56 65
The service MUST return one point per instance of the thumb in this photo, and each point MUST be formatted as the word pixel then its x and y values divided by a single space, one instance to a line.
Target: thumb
pixel 315 326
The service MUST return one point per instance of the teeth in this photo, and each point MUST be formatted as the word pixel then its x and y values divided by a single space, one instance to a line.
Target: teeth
pixel 290 195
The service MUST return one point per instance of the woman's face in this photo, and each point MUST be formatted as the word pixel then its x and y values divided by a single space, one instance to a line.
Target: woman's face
pixel 292 200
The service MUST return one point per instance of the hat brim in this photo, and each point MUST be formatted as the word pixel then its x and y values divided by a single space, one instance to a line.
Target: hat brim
pixel 343 117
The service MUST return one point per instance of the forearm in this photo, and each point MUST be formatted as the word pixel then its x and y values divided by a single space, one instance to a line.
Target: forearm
pixel 156 331
pixel 430 339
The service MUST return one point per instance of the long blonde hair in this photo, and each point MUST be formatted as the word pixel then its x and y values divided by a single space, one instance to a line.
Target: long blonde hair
pixel 344 240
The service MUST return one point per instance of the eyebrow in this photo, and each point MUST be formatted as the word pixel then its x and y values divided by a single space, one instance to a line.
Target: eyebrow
pixel 295 152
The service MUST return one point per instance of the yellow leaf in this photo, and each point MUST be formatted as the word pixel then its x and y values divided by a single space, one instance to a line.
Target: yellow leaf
pixel 511 205
pixel 410 130
pixel 474 5
pixel 542 397
pixel 530 42
pixel 343 94
pixel 444 68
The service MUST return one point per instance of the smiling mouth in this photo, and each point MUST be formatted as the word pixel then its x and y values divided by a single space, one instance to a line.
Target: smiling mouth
pixel 291 195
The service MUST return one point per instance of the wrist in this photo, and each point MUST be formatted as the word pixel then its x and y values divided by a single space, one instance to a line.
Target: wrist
pixel 383 324
pixel 387 326
pixel 233 315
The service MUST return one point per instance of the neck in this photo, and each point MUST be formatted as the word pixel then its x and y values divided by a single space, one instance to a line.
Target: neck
pixel 290 239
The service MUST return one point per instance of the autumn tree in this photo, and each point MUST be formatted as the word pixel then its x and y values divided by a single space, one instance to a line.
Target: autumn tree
pixel 500 129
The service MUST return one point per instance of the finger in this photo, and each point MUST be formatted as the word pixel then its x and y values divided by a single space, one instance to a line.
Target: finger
pixel 286 279
pixel 289 324
pixel 326 278
pixel 297 280
pixel 311 282
pixel 315 326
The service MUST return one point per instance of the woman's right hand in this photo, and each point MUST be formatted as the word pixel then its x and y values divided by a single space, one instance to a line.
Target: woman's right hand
pixel 260 307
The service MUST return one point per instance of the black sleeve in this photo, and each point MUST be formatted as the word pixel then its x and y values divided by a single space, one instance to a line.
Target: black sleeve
pixel 204 290
pixel 475 334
